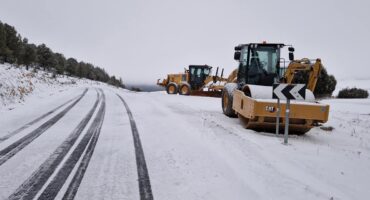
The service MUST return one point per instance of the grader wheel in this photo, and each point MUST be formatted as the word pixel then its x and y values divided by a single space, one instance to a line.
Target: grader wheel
pixel 171 88
pixel 184 89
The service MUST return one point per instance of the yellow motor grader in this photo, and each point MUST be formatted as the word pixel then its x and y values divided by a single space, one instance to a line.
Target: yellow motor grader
pixel 196 80
pixel 250 97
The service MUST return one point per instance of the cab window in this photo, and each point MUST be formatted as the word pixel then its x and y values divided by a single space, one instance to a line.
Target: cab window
pixel 206 71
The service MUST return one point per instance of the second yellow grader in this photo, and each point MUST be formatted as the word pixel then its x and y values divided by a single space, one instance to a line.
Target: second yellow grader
pixel 196 80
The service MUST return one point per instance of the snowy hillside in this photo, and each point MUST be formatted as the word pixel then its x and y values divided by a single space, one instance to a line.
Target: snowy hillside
pixel 17 84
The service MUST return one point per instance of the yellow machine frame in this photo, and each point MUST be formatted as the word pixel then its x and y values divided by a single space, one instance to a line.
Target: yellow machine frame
pixel 213 90
pixel 260 114
pixel 304 65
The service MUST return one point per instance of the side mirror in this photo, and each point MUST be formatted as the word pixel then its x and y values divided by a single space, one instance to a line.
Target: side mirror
pixel 291 49
pixel 238 48
pixel 291 56
pixel 237 55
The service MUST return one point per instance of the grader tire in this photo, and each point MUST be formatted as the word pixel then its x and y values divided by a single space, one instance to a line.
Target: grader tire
pixel 184 89
pixel 172 88
pixel 227 100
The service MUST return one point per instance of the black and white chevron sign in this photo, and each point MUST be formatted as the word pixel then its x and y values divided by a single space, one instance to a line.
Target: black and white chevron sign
pixel 289 91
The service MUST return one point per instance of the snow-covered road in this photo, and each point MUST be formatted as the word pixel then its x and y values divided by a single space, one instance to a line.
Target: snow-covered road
pixel 91 146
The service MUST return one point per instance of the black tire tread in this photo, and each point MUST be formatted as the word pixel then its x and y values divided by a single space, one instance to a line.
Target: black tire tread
pixel 172 84
pixel 228 110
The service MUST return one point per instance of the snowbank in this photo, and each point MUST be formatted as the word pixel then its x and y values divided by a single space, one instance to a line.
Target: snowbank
pixel 17 84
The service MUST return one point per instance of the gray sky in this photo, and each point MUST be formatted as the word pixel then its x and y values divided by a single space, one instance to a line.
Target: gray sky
pixel 143 40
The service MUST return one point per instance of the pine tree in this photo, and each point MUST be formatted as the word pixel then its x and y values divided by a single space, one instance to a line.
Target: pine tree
pixel 71 66
pixel 45 57
pixel 61 63
pixel 29 56
pixel 13 44
pixel 3 48
pixel 121 83
pixel 325 85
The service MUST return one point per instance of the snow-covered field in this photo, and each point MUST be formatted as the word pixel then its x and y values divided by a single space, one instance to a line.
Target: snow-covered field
pixel 192 151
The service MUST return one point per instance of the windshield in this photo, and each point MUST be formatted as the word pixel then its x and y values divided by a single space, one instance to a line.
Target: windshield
pixel 200 71
pixel 263 59
pixel 259 65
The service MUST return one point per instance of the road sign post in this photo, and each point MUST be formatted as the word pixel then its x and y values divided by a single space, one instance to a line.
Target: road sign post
pixel 287 112
pixel 287 92
pixel 278 117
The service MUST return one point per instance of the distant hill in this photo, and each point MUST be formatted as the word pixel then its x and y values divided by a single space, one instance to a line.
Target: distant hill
pixel 143 87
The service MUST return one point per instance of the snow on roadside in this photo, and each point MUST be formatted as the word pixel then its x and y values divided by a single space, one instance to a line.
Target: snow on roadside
pixel 18 84
pixel 193 151
pixel 241 162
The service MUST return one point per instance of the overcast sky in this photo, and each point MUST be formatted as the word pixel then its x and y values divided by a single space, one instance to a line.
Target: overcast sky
pixel 142 40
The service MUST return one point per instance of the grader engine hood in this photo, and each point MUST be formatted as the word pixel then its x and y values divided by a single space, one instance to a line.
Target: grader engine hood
pixel 176 78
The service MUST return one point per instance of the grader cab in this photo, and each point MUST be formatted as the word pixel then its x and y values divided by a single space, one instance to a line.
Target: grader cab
pixel 196 80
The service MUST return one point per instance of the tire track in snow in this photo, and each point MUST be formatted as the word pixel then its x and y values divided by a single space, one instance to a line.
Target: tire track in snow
pixel 77 178
pixel 17 146
pixel 30 187
pixel 88 143
pixel 35 120
pixel 257 154
pixel 142 170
